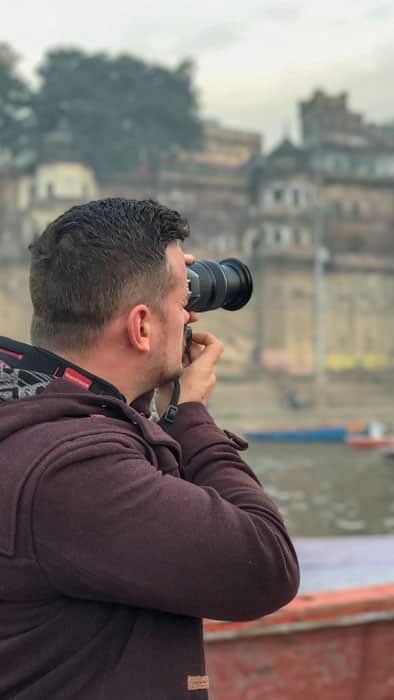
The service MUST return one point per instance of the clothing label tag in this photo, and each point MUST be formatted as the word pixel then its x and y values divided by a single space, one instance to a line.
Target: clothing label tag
pixel 197 682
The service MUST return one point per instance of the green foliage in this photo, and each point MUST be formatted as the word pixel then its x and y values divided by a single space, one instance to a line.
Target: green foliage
pixel 15 97
pixel 120 110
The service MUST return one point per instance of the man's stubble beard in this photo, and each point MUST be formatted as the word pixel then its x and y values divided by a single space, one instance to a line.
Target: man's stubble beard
pixel 165 374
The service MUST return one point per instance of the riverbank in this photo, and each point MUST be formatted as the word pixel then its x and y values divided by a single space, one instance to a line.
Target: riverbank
pixel 265 401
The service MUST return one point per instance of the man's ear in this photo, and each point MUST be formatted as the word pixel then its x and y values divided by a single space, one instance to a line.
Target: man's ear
pixel 139 327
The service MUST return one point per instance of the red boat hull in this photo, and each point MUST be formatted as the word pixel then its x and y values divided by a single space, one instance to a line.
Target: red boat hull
pixel 368 442
pixel 328 646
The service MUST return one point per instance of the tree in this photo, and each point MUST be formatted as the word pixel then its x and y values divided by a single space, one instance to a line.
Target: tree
pixel 121 111
pixel 15 100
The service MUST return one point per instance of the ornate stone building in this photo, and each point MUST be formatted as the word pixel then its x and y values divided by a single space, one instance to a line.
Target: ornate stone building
pixel 210 187
pixel 288 192
pixel 330 199
pixel 60 180
pixel 327 119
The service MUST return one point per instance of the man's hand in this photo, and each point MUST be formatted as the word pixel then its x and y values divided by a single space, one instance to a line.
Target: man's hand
pixel 198 379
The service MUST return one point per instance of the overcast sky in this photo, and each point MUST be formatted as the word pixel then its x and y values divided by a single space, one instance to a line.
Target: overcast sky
pixel 254 59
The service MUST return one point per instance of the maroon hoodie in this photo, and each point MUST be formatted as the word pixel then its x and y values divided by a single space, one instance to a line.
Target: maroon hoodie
pixel 116 539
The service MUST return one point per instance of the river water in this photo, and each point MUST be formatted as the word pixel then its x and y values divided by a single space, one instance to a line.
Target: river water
pixel 327 489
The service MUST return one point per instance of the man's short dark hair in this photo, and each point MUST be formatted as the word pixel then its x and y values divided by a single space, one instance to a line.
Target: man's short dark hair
pixel 92 261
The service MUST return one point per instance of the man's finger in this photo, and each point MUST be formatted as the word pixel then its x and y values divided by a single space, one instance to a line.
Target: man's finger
pixel 204 338
pixel 193 317
pixel 195 351
pixel 213 347
pixel 189 259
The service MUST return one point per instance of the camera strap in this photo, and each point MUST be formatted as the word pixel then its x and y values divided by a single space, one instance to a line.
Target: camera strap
pixel 18 355
pixel 23 356
pixel 173 407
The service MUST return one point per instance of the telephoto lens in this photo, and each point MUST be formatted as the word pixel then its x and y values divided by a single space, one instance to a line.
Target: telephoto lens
pixel 226 285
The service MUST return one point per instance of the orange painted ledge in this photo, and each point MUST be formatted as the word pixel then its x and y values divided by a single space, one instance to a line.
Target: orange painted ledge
pixel 326 609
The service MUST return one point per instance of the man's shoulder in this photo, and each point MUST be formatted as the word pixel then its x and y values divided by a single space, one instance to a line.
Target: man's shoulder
pixel 76 431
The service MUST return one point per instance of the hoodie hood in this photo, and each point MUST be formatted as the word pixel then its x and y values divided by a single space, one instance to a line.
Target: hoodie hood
pixel 28 398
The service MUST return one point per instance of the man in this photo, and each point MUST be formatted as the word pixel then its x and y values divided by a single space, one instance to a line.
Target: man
pixel 119 534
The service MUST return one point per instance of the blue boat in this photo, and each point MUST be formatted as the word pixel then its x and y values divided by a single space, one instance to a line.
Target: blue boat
pixel 337 433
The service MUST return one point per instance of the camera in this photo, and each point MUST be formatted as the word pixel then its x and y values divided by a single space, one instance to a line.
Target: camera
pixel 226 285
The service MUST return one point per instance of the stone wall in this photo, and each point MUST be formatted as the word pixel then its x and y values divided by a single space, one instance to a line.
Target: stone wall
pixel 15 305
pixel 357 313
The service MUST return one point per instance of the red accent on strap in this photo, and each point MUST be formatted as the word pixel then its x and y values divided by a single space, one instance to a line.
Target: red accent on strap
pixel 12 354
pixel 72 376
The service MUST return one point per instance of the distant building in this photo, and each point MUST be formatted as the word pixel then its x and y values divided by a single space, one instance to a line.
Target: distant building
pixel 282 191
pixel 10 223
pixel 266 208
pixel 222 146
pixel 342 141
pixel 60 180
pixel 209 186
pixel 288 185
pixel 327 119
pixel 339 181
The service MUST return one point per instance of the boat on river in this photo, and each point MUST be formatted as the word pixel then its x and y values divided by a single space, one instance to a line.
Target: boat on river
pixel 365 442
pixel 339 433
pixel 328 645
pixel 332 641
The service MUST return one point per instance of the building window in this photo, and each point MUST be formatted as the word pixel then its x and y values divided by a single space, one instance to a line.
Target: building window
pixel 278 195
pixel 50 190
pixel 282 237
pixel 296 198
pixel 356 210
pixel 357 244
pixel 340 164
pixel 337 206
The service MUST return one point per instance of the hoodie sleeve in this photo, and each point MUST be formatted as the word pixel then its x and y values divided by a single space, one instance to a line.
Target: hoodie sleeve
pixel 110 526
